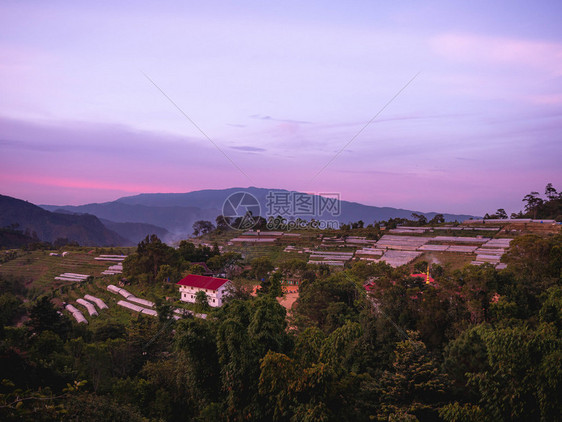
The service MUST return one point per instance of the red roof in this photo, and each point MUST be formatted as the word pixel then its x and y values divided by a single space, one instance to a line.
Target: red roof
pixel 202 282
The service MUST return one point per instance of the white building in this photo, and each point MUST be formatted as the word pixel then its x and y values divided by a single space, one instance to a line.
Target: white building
pixel 214 288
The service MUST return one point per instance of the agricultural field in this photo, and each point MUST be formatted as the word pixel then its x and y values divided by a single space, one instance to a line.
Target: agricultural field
pixel 38 269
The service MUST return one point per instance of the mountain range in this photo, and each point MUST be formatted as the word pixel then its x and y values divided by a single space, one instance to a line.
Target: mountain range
pixel 173 214
pixel 40 224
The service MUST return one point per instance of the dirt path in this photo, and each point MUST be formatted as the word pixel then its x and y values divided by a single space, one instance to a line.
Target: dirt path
pixel 288 300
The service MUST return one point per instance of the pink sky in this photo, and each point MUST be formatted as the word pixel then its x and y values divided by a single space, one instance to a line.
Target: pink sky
pixel 280 90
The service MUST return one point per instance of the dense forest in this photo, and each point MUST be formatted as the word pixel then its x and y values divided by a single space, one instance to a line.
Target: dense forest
pixel 478 344
pixel 369 342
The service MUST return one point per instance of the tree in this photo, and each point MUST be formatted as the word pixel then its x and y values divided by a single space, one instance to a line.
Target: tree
pixel 109 330
pixel 466 354
pixel 524 380
pixel 271 286
pixel 551 310
pixel 422 219
pixel 533 203
pixel 191 253
pixel 239 364
pixel 202 300
pixel 437 219
pixel 421 266
pixel 416 385
pixel 535 258
pixel 328 303
pixel 44 316
pixel 261 267
pixel 358 225
pixel 165 311
pixel 223 223
pixel 267 326
pixel 202 227
pixel 10 307
pixel 227 263
pixel 277 372
pixel 308 346
pixel 550 192
pixel 293 268
pixel 196 342
pixel 168 273
pixel 151 254
pixel 97 407
pixel 500 213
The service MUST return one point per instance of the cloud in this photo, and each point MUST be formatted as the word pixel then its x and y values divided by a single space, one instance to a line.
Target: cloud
pixel 97 138
pixel 548 99
pixel 545 56
pixel 248 148
pixel 262 117
pixel 84 157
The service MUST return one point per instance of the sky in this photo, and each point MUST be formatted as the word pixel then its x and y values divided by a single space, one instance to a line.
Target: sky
pixel 434 106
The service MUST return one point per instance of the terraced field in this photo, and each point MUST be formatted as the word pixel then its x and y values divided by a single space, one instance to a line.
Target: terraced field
pixel 450 260
pixel 39 269
pixel 97 288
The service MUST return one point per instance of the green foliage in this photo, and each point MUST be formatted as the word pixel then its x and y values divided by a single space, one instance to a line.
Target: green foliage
pixel 44 316
pixel 227 263
pixel 522 382
pixel 267 326
pixel 415 385
pixel 88 406
pixel 151 254
pixel 202 227
pixel 543 208
pixel 421 219
pixel 202 300
pixel 271 286
pixel 308 346
pixel 329 303
pixel 109 330
pixel 437 219
pixel 551 310
pixel 466 354
pixel 191 253
pixel 197 344
pixel 168 273
pixel 456 412
pixel 261 268
pixel 480 345
pixel 10 308
pixel 534 258
pixel 293 268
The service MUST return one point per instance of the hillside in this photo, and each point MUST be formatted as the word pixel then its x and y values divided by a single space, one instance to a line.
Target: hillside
pixel 175 219
pixel 10 238
pixel 49 226
pixel 135 232
pixel 176 212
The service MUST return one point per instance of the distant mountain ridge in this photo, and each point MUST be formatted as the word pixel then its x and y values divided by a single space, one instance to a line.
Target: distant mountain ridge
pixel 176 220
pixel 135 232
pixel 49 226
pixel 176 212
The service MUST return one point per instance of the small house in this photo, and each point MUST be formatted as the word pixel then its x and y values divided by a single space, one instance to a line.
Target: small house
pixel 215 288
